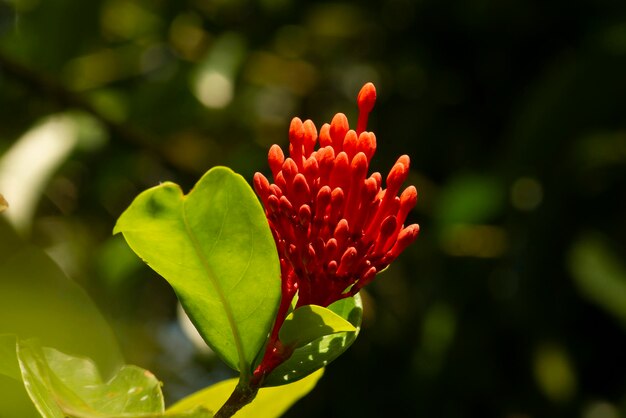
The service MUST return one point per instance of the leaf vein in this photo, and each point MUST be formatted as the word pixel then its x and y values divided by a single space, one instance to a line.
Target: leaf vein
pixel 243 366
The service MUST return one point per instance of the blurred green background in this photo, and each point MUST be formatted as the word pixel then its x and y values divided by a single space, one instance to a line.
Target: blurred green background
pixel 512 302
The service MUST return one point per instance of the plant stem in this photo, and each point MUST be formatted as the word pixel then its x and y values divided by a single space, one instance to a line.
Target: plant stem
pixel 243 394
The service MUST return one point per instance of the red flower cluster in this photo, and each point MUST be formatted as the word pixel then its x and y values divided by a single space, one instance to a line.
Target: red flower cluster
pixel 334 227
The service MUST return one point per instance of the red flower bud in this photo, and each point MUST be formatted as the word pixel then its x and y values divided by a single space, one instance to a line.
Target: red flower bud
pixel 334 227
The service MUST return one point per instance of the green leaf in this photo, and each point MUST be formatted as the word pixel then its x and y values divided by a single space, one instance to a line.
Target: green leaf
pixel 269 402
pixel 61 385
pixel 36 378
pixel 215 248
pixel 37 300
pixel 319 353
pixel 308 323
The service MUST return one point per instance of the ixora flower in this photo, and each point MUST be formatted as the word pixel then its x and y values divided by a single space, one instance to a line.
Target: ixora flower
pixel 334 226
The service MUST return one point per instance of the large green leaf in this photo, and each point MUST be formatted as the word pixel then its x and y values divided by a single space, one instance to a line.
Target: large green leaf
pixel 269 402
pixel 319 353
pixel 215 248
pixel 61 385
pixel 38 301
pixel 310 322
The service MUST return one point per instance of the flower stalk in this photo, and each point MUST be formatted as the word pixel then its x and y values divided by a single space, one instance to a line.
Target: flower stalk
pixel 243 394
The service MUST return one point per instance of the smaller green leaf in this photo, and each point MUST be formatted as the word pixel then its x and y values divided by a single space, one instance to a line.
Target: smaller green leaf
pixel 14 401
pixel 320 352
pixel 269 402
pixel 60 385
pixel 308 323
pixel 36 377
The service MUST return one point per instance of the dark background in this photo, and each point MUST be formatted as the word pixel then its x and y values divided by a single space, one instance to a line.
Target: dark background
pixel 511 303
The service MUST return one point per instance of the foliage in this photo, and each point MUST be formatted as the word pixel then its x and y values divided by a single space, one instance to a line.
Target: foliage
pixel 518 103
pixel 214 247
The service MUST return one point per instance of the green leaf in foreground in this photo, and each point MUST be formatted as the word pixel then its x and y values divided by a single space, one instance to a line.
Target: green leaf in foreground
pixel 215 248
pixel 310 322
pixel 60 385
pixel 269 402
pixel 37 300
pixel 319 353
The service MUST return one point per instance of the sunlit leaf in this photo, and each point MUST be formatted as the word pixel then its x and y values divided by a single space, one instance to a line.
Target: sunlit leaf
pixel 36 376
pixel 269 403
pixel 215 248
pixel 60 385
pixel 310 322
pixel 322 351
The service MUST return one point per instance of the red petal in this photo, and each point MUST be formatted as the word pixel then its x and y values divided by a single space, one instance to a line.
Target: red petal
pixel 300 190
pixel 280 182
pixel 285 206
pixel 347 261
pixel 296 136
pixel 408 199
pixel 330 249
pixel 387 229
pixel 321 202
pixel 311 169
pixel 338 128
pixel 290 169
pixel 275 190
pixel 310 137
pixel 340 175
pixel 275 158
pixel 358 170
pixel 304 214
pixel 332 267
pixel 398 174
pixel 365 280
pixel 367 144
pixel 350 144
pixel 406 237
pixel 262 187
pixel 365 100
pixel 325 139
pixel 336 204
pixel 342 232
pixel 326 160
